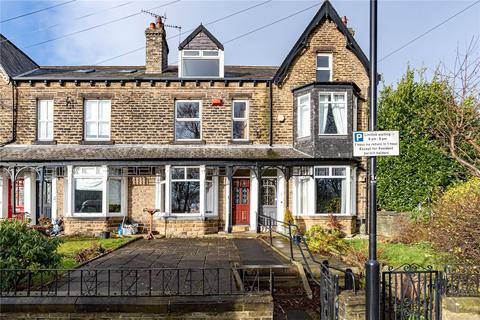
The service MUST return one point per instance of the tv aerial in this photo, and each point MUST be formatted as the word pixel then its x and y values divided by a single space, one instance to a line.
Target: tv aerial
pixel 164 17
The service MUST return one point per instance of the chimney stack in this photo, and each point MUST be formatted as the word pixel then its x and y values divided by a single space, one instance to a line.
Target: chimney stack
pixel 156 48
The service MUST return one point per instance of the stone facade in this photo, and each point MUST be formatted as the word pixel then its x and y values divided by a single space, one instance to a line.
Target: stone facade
pixel 349 224
pixel 90 226
pixel 143 113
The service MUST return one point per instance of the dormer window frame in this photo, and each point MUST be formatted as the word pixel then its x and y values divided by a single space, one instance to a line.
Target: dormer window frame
pixel 202 55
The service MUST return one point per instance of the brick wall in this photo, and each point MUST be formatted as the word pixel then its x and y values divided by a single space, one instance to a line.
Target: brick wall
pixel 348 223
pixel 144 113
pixel 5 110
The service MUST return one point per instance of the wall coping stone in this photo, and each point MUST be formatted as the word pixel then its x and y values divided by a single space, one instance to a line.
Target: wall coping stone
pixel 250 302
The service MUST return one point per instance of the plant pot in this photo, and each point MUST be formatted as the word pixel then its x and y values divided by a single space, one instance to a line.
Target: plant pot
pixel 105 234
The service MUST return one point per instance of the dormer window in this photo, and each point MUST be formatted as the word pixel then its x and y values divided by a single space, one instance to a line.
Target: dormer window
pixel 201 63
pixel 200 55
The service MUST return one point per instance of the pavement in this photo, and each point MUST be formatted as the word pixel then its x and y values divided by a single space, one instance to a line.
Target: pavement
pixel 164 267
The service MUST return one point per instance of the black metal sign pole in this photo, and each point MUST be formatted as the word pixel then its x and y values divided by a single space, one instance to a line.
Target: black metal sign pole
pixel 372 268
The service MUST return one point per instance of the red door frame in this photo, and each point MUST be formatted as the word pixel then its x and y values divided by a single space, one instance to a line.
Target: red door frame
pixel 19 208
pixel 240 205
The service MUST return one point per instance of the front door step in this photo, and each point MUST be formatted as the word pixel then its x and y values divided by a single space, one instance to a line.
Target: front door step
pixel 240 228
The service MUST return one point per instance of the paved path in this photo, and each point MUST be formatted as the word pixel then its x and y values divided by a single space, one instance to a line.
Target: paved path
pixel 171 253
pixel 165 267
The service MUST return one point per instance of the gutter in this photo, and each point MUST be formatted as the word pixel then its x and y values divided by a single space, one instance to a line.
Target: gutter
pixel 270 102
pixel 14 118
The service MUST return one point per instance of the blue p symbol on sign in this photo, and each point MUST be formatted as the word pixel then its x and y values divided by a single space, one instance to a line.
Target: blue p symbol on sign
pixel 358 136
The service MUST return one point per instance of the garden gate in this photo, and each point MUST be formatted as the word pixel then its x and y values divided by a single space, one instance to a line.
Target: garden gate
pixel 411 292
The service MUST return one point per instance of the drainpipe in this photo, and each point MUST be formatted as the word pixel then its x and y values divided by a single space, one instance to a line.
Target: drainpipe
pixel 14 118
pixel 270 102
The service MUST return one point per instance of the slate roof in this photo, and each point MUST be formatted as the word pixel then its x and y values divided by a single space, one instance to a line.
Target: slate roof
pixel 138 73
pixel 326 11
pixel 49 153
pixel 195 32
pixel 13 60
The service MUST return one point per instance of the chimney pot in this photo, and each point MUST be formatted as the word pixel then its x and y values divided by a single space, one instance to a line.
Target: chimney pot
pixel 152 25
pixel 344 20
pixel 159 22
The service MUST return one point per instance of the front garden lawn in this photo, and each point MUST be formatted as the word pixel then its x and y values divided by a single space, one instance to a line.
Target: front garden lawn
pixel 70 246
pixel 397 254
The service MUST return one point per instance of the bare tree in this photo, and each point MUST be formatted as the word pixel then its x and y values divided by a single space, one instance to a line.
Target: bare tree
pixel 458 125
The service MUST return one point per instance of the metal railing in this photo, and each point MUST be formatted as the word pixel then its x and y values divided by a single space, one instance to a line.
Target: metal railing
pixel 461 281
pixel 137 282
pixel 295 237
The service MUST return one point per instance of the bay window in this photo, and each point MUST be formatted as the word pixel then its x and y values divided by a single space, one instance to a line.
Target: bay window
pixel 188 123
pixel 187 190
pixel 185 185
pixel 331 190
pixel 97 119
pixel 88 190
pixel 45 120
pixel 303 116
pixel 333 113
pixel 114 195
pixel 94 193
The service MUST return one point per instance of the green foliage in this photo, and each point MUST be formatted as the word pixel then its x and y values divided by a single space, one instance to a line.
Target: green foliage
pixel 325 241
pixel 423 167
pixel 24 248
pixel 455 227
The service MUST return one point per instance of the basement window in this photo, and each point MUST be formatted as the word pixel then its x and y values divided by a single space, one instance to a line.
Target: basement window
pixel 201 63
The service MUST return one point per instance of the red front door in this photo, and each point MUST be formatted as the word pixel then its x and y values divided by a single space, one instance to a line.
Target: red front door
pixel 19 199
pixel 241 201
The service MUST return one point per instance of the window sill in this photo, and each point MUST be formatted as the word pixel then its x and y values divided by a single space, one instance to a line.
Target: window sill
pixel 231 141
pixel 325 215
pixel 186 142
pixel 184 216
pixel 45 142
pixel 333 135
pixel 96 142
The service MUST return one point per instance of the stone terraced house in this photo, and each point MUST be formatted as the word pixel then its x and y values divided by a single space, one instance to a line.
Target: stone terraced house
pixel 211 146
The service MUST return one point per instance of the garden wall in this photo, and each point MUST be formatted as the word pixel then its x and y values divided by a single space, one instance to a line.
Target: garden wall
pixel 248 307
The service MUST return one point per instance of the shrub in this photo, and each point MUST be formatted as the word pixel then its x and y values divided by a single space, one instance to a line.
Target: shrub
pixel 24 248
pixel 455 223
pixel 410 230
pixel 423 168
pixel 325 241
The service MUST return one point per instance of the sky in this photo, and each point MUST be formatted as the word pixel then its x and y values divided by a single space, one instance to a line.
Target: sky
pixel 88 32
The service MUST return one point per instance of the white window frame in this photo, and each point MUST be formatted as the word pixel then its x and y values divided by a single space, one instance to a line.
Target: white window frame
pixel 101 172
pixel 199 119
pixel 203 195
pixel 244 119
pixel 345 108
pixel 45 120
pixel 300 123
pixel 97 121
pixel 329 68
pixel 350 194
pixel 201 181
pixel 201 55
